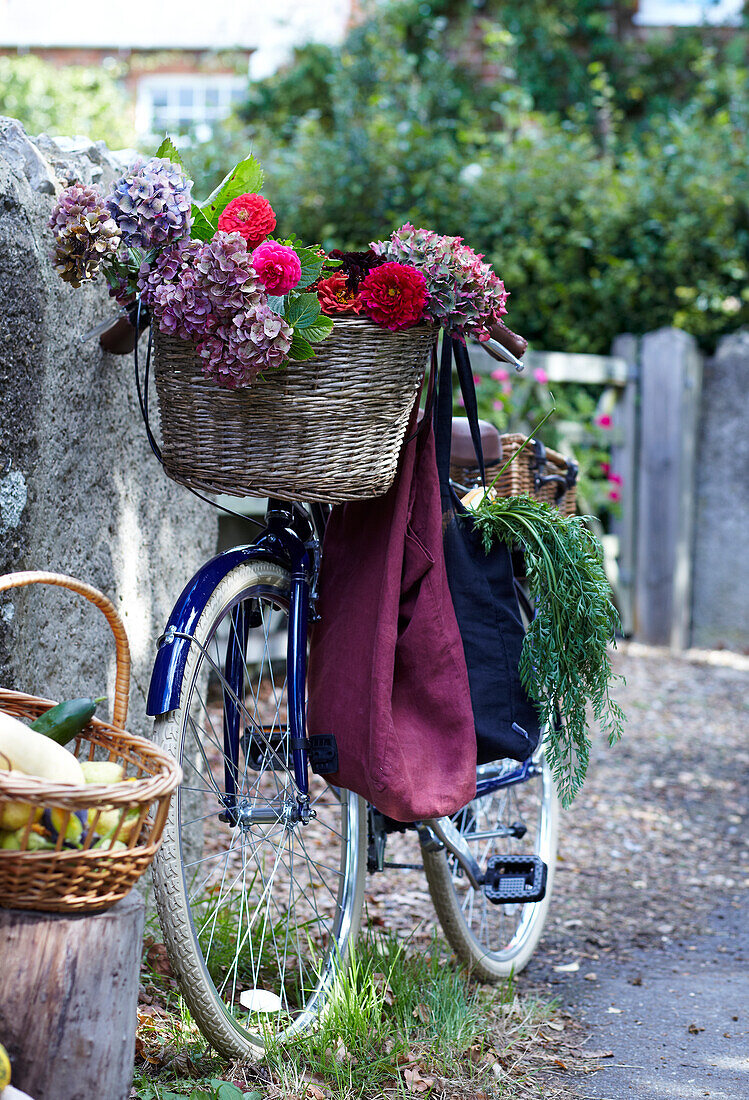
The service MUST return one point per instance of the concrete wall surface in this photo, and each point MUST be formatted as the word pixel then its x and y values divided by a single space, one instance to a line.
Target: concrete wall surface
pixel 80 492
pixel 720 600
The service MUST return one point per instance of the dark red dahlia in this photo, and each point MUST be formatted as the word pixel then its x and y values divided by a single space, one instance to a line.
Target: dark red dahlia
pixel 336 296
pixel 250 215
pixel 394 295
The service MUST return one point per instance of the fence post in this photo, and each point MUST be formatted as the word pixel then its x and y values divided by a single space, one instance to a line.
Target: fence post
pixel 670 382
pixel 624 462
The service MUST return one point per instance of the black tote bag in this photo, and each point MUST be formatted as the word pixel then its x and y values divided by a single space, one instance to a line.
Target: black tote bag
pixel 483 592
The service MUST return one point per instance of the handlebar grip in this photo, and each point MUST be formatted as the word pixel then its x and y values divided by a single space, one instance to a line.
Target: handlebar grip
pixel 514 343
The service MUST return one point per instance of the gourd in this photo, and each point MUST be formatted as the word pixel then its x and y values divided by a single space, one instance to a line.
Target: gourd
pixel 31 752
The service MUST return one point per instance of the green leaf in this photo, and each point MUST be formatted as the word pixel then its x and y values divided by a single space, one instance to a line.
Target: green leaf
pixel 301 348
pixel 226 1091
pixel 275 301
pixel 302 311
pixel 169 150
pixel 202 230
pixel 311 266
pixel 322 327
pixel 246 178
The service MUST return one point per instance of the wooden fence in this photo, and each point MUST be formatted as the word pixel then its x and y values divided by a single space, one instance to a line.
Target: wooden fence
pixel 657 380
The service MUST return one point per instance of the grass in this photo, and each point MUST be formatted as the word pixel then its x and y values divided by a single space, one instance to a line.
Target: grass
pixel 402 1023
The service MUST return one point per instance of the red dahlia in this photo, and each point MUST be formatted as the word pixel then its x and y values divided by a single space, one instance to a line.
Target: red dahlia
pixel 251 215
pixel 336 296
pixel 394 295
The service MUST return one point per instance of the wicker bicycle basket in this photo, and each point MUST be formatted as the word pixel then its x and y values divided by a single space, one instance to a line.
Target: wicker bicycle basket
pixel 101 871
pixel 537 471
pixel 327 429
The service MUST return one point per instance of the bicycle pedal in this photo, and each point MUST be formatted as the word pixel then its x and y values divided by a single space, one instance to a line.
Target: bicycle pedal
pixel 515 878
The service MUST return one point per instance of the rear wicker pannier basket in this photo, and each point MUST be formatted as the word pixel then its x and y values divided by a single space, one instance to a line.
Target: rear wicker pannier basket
pixel 97 874
pixel 327 429
pixel 538 471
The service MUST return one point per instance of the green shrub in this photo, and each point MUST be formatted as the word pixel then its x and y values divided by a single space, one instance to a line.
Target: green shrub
pixel 622 207
pixel 71 100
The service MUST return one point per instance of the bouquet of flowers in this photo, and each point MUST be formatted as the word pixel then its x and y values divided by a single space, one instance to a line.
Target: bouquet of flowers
pixel 214 273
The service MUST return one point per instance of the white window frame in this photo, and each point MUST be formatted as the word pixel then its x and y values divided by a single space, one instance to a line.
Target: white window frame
pixel 153 121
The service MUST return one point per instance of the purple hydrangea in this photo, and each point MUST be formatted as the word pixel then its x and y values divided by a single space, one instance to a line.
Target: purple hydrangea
pixel 210 293
pixel 169 286
pixel 249 344
pixel 464 293
pixel 152 204
pixel 227 274
pixel 85 235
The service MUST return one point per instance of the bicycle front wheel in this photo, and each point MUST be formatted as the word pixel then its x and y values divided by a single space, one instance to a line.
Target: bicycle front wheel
pixel 523 819
pixel 258 907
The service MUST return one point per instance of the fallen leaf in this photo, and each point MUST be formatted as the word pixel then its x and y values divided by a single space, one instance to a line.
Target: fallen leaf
pixel 598 1053
pixel 560 1063
pixel 422 1013
pixel 554 1025
pixel 316 1093
pixel 158 960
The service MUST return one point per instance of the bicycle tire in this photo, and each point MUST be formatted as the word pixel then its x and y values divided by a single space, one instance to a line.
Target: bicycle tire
pixel 495 941
pixel 273 936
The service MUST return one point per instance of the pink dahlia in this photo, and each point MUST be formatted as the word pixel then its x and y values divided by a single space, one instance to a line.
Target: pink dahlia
pixel 278 267
pixel 394 295
pixel 251 215
pixel 336 296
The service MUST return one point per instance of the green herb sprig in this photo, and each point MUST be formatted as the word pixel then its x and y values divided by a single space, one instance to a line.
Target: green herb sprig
pixel 565 662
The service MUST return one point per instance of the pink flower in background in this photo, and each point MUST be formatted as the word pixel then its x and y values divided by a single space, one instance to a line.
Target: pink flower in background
pixel 616 479
pixel 278 267
pixel 603 421
pixel 507 387
pixel 614 494
pixel 461 402
pixel 477 379
pixel 498 406
pixel 605 469
pixel 500 375
pixel 541 376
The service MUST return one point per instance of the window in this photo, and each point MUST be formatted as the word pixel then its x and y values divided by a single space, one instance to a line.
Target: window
pixel 186 103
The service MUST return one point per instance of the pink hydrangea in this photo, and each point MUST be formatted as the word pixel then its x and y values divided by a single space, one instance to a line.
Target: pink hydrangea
pixel 463 292
pixel 541 376
pixel 500 375
pixel 278 267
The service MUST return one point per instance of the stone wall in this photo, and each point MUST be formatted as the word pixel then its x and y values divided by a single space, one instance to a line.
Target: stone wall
pixel 720 600
pixel 80 492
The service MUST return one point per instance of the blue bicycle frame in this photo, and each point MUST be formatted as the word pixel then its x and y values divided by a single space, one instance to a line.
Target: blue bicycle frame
pixel 288 540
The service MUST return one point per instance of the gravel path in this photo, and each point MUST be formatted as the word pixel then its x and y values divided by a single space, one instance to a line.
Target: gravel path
pixel 654 849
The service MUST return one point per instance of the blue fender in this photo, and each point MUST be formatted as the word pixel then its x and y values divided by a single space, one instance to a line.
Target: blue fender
pixel 171 658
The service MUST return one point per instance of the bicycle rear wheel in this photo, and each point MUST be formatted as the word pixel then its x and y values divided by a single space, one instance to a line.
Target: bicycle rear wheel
pixel 258 911
pixel 522 819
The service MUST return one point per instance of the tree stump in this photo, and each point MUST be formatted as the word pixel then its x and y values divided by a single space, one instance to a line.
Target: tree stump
pixel 68 1007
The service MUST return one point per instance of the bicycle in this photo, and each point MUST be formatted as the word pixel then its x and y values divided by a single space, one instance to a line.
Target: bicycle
pixel 259 881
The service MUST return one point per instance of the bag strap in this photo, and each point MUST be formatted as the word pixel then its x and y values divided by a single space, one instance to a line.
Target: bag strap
pixel 444 407
pixel 468 389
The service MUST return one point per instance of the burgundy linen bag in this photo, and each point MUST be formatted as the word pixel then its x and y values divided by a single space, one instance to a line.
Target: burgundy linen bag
pixel 387 674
